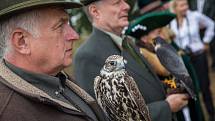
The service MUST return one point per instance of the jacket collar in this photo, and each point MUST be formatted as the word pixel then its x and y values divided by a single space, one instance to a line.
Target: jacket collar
pixel 18 84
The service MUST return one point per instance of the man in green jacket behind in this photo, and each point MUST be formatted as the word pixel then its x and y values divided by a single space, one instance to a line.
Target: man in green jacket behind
pixel 108 18
pixel 36 41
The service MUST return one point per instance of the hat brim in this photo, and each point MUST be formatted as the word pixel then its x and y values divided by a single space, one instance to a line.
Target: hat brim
pixel 151 21
pixel 32 4
pixel 87 2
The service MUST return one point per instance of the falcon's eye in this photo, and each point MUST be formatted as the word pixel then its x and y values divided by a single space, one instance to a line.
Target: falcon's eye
pixel 112 63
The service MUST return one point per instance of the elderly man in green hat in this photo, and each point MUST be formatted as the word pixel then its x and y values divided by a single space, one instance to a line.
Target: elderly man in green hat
pixel 108 18
pixel 36 45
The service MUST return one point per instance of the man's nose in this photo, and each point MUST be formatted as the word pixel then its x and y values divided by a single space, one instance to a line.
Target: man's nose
pixel 71 34
pixel 126 5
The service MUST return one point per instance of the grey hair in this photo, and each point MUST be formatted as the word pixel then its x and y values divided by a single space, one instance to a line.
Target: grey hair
pixel 28 21
pixel 87 12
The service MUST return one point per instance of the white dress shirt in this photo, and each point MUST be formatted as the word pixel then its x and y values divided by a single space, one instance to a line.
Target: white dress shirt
pixel 188 34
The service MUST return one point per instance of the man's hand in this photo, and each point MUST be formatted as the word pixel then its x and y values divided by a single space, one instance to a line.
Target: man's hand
pixel 206 47
pixel 177 101
pixel 181 52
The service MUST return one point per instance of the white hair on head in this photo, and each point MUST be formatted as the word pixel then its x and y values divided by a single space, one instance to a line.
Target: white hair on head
pixel 28 21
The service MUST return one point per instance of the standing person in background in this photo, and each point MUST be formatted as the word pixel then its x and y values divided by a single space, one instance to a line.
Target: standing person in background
pixel 36 41
pixel 186 27
pixel 108 18
pixel 203 6
pixel 206 7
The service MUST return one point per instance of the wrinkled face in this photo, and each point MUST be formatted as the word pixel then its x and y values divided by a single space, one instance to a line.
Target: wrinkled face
pixel 52 49
pixel 113 14
pixel 181 7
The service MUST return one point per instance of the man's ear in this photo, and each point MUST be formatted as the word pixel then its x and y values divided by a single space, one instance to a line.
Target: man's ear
pixel 20 41
pixel 93 10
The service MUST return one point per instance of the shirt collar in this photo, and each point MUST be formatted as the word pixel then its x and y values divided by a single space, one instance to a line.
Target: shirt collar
pixel 117 39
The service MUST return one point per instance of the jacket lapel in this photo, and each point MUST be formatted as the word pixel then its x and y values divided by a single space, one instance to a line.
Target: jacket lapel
pixel 88 99
pixel 138 64
pixel 142 71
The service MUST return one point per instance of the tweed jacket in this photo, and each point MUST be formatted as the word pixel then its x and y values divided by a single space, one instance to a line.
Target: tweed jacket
pixel 21 101
pixel 90 58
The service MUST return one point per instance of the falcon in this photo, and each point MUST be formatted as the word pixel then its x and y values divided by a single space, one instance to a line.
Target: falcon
pixel 118 94
pixel 170 59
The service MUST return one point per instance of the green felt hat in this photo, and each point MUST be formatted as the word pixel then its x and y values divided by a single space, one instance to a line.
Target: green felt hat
pixel 87 2
pixel 12 7
pixel 148 22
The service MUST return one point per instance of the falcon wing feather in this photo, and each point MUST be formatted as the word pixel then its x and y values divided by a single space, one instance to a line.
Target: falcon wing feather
pixel 171 61
pixel 137 96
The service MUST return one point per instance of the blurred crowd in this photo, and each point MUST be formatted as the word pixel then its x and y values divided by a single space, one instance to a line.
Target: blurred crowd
pixel 191 32
pixel 152 68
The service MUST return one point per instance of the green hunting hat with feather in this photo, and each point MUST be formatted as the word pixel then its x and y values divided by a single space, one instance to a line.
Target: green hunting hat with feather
pixel 12 7
pixel 148 22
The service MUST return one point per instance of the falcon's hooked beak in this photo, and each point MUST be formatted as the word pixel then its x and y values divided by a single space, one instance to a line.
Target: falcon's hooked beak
pixel 156 45
pixel 125 61
pixel 122 64
pixel 153 42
